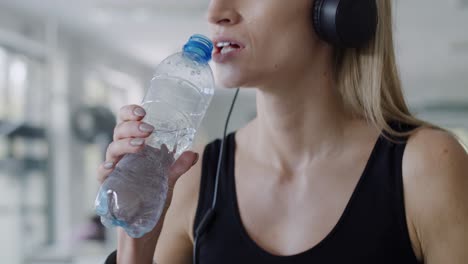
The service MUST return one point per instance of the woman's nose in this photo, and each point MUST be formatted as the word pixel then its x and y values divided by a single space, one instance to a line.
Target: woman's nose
pixel 222 12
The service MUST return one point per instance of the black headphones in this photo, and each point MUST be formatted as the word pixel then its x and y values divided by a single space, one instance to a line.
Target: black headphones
pixel 345 23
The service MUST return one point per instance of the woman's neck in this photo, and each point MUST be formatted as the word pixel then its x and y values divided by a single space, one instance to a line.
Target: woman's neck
pixel 299 118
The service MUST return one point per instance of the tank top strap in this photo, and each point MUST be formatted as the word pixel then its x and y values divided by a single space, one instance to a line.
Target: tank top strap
pixel 208 175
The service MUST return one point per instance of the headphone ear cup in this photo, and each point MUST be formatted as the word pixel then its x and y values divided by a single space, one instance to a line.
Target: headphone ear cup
pixel 356 22
pixel 345 23
pixel 316 16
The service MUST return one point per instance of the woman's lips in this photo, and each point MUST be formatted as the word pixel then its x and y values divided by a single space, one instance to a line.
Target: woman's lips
pixel 226 49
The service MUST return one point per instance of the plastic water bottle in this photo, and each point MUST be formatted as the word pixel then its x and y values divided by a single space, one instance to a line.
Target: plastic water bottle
pixel 134 195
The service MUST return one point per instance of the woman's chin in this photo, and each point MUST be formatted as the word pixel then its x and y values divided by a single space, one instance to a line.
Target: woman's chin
pixel 230 82
pixel 231 77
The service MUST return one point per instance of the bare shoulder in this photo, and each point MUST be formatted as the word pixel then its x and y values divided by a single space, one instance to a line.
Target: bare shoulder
pixel 435 175
pixel 433 153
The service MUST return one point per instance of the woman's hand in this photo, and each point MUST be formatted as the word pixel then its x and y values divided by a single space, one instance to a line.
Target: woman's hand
pixel 129 137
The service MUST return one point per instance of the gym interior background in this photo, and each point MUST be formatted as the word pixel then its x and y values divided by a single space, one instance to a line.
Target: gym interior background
pixel 66 67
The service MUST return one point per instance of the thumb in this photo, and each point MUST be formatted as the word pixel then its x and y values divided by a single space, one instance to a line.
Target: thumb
pixel 181 166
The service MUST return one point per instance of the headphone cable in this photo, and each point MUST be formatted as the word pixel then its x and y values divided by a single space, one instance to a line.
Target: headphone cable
pixel 209 215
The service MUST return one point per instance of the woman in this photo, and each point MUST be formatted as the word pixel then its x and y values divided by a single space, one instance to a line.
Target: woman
pixel 334 169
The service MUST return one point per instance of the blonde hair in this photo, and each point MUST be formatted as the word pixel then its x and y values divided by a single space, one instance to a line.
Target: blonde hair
pixel 369 82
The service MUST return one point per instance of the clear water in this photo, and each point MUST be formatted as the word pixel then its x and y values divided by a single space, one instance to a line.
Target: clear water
pixel 176 133
pixel 175 109
pixel 134 195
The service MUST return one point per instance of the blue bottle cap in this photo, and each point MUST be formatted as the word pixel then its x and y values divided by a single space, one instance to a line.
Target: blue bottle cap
pixel 200 46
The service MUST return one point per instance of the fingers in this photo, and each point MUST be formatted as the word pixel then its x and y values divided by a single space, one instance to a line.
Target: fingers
pixel 182 165
pixel 104 171
pixel 132 129
pixel 118 148
pixel 115 152
pixel 131 113
pixel 128 138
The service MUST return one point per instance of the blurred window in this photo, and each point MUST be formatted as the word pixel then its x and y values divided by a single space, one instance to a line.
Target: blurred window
pixel 22 90
pixel 3 92
pixel 24 176
pixel 17 77
pixel 105 86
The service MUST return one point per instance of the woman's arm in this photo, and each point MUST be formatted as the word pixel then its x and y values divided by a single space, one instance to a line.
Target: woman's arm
pixel 170 232
pixel 175 244
pixel 435 173
pixel 129 137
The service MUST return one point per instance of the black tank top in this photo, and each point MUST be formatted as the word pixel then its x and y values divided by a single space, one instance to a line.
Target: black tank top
pixel 372 228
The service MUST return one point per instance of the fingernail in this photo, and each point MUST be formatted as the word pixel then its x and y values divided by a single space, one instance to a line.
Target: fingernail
pixel 146 127
pixel 139 112
pixel 108 165
pixel 137 142
pixel 196 159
